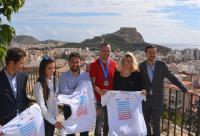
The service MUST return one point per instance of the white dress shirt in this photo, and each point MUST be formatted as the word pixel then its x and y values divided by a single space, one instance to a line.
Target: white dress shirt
pixel 49 111
pixel 13 82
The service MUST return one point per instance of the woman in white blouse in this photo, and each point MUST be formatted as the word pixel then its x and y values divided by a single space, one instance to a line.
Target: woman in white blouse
pixel 45 91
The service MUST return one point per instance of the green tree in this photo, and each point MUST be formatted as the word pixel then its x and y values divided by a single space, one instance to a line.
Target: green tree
pixel 7 8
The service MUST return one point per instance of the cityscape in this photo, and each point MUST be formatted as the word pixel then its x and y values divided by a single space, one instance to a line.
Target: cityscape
pixel 184 63
pixel 55 29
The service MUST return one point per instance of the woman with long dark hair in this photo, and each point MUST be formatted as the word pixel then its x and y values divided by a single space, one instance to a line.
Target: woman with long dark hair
pixel 45 91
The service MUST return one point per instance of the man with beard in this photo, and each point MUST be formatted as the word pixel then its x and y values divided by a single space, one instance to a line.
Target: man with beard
pixel 153 73
pixel 70 80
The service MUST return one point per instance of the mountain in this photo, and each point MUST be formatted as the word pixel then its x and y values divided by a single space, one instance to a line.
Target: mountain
pixel 55 42
pixel 130 35
pixel 127 39
pixel 25 39
pixel 124 36
pixel 30 40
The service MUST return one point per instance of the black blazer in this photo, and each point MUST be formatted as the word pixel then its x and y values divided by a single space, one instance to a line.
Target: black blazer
pixel 8 103
pixel 160 72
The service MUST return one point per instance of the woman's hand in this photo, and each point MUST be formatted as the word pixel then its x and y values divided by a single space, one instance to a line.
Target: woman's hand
pixel 58 125
pixel 144 92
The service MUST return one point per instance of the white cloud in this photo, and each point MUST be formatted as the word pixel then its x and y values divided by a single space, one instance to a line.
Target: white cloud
pixel 155 26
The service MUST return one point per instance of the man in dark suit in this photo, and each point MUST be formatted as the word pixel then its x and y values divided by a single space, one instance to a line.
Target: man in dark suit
pixel 13 98
pixel 153 73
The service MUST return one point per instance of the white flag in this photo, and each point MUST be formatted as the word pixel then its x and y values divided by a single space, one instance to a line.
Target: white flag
pixel 29 123
pixel 82 104
pixel 125 117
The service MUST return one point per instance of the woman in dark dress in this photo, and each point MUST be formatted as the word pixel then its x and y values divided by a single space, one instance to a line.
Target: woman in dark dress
pixel 127 77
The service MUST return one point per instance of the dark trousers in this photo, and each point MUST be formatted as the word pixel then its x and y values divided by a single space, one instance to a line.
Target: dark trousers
pixel 152 116
pixel 101 121
pixel 67 113
pixel 49 128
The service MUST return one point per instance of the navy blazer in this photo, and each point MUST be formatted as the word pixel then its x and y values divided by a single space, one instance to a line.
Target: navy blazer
pixel 9 105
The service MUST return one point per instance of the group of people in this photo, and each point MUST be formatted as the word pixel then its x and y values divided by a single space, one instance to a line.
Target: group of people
pixel 104 73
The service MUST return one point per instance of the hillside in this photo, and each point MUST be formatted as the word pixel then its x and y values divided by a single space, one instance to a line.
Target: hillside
pixel 30 40
pixel 55 42
pixel 25 39
pixel 127 39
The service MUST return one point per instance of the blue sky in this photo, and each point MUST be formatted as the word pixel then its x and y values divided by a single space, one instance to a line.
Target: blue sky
pixel 159 21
